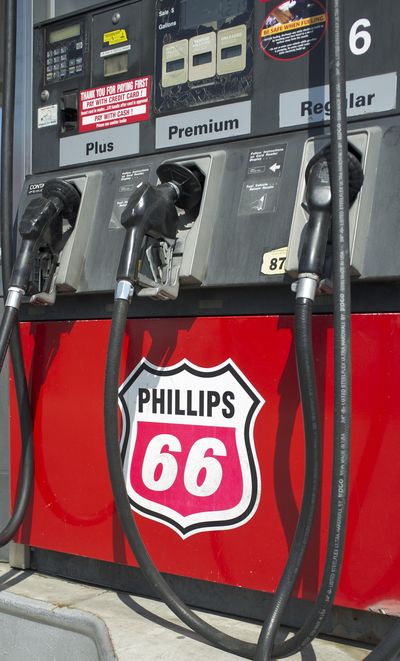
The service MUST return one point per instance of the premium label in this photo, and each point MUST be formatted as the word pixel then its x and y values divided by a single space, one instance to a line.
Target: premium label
pixel 204 125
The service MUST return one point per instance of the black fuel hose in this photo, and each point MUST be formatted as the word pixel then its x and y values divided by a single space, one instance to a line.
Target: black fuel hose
pixel 342 340
pixel 7 326
pixel 25 481
pixel 310 491
pixel 153 576
pixel 389 647
pixel 312 434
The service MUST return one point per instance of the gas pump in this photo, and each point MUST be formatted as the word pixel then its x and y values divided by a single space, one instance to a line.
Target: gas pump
pixel 193 142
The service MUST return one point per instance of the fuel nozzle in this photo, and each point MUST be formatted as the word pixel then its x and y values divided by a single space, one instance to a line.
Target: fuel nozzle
pixel 46 223
pixel 319 207
pixel 152 212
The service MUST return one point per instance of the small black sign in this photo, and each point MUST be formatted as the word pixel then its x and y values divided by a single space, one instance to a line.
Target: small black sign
pixel 260 191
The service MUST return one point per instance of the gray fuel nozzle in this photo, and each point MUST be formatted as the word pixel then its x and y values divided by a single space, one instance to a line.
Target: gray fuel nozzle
pixel 151 211
pixel 319 206
pixel 43 226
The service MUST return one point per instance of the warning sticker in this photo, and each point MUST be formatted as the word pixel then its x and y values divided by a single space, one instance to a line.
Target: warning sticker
pixel 293 29
pixel 115 104
pixel 115 37
pixel 47 116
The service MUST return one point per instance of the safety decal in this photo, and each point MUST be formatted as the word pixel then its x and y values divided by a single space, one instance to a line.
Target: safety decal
pixel 293 29
pixel 115 104
pixel 187 445
pixel 115 37
pixel 47 116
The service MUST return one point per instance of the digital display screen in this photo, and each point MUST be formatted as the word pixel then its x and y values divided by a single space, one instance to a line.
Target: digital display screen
pixel 194 13
pixel 68 32
pixel 175 65
pixel 231 51
pixel 202 58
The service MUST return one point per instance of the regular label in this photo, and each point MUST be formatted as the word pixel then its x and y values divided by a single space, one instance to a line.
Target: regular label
pixel 187 445
pixel 292 29
pixel 115 104
pixel 372 94
pixel 274 262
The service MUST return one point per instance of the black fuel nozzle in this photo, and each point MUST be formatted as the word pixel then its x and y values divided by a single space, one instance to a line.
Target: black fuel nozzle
pixel 42 224
pixel 319 207
pixel 151 211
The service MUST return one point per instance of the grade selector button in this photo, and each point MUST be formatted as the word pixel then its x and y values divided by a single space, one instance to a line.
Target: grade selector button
pixel 202 56
pixel 231 50
pixel 175 63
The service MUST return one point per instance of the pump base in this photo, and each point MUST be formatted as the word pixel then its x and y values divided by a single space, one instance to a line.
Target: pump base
pixel 72 510
pixel 84 620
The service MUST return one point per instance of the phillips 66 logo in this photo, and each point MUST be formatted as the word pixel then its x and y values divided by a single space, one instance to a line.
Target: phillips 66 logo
pixel 187 445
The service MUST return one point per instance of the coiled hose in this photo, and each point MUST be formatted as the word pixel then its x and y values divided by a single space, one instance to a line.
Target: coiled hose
pixel 311 422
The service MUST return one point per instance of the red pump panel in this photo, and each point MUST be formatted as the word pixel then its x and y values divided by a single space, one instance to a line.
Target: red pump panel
pixel 72 509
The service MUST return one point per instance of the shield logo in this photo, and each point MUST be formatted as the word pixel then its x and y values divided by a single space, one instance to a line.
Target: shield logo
pixel 187 445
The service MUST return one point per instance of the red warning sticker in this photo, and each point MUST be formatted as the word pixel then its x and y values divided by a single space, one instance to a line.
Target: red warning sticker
pixel 115 104
pixel 293 29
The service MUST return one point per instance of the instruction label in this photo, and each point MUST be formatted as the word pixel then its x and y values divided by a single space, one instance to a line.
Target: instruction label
pixel 116 104
pixel 115 51
pixel 47 116
pixel 293 29
pixel 130 179
pixel 260 191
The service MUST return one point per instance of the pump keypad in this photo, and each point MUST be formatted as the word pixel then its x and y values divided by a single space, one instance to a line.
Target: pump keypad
pixel 64 59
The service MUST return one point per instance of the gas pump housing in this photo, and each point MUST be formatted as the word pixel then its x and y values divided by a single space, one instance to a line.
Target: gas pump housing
pixel 228 89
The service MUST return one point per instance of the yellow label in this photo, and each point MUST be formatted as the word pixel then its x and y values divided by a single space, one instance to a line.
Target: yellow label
pixel 274 262
pixel 294 25
pixel 115 37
